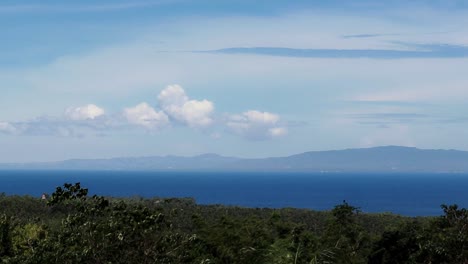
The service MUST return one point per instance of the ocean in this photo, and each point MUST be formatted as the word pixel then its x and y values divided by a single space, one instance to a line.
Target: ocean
pixel 405 194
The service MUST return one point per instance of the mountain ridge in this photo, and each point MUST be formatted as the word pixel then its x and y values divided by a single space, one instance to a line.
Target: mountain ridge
pixel 375 159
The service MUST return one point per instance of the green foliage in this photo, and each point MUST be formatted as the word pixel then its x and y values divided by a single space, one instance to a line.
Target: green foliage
pixel 69 192
pixel 345 239
pixel 398 246
pixel 26 238
pixel 6 244
pixel 446 240
pixel 101 231
pixel 73 227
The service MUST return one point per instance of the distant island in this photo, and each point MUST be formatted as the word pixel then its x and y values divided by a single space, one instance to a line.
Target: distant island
pixel 383 159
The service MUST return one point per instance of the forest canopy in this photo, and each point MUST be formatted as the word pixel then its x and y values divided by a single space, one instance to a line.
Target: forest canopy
pixel 72 227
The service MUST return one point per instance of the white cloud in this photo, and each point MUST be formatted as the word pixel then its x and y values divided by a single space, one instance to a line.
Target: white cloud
pixel 7 128
pixel 174 104
pixel 256 125
pixel 86 112
pixel 174 101
pixel 144 115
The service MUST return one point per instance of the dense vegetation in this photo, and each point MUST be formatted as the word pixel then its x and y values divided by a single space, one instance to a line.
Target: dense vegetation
pixel 72 227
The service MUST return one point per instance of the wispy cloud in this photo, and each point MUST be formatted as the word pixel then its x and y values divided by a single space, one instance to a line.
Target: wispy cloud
pixel 456 120
pixel 366 36
pixel 386 103
pixel 73 8
pixel 421 51
pixel 385 120
pixel 423 93
pixel 58 127
pixel 377 35
pixel 388 118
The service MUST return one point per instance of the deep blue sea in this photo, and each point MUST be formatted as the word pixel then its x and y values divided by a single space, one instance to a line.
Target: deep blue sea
pixel 406 194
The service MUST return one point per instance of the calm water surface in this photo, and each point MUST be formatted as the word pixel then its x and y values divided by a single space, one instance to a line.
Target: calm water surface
pixel 407 194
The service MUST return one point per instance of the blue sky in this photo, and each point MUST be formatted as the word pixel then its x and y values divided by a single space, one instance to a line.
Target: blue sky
pixel 93 79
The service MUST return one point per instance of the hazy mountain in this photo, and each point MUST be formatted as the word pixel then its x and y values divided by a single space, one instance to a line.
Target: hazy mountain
pixel 201 162
pixel 378 159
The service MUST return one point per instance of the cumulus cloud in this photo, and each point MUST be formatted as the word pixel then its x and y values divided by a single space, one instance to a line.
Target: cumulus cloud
pixel 144 115
pixel 174 106
pixel 174 101
pixel 87 112
pixel 177 106
pixel 76 122
pixel 256 125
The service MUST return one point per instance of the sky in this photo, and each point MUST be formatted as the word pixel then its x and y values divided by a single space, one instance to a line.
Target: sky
pixel 101 79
